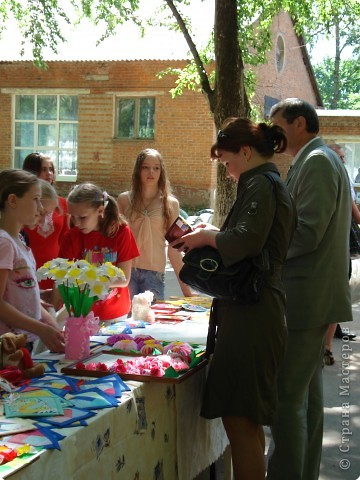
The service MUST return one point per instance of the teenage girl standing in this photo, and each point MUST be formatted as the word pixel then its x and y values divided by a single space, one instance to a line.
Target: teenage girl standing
pixel 100 234
pixel 151 209
pixel 20 308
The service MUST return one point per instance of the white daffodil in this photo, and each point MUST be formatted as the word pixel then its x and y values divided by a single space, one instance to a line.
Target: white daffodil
pixel 87 279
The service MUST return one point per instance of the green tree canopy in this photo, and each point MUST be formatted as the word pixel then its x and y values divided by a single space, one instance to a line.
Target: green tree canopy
pixel 349 86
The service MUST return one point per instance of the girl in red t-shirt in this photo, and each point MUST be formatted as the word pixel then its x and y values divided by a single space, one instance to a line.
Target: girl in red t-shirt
pixel 100 234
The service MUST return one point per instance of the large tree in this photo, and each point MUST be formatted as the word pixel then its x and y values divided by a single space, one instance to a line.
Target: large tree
pixel 338 20
pixel 348 88
pixel 234 35
pixel 241 35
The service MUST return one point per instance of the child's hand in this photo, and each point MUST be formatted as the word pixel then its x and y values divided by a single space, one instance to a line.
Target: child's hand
pixel 53 338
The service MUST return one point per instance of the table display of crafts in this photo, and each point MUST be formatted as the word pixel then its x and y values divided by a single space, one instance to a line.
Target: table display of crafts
pixel 38 413
pixel 142 358
pixel 169 312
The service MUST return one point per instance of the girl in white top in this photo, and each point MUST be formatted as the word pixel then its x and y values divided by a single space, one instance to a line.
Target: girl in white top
pixel 20 308
pixel 151 209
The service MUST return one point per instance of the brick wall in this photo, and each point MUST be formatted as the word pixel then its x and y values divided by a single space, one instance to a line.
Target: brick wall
pixel 184 128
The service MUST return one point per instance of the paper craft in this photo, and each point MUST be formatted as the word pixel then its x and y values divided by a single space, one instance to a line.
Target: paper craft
pixel 100 366
pixel 70 416
pixel 23 405
pixel 59 383
pixel 109 378
pixel 8 426
pixel 121 327
pixel 20 461
pixel 171 319
pixel 110 388
pixel 93 399
pixel 47 393
pixel 191 307
pixel 41 437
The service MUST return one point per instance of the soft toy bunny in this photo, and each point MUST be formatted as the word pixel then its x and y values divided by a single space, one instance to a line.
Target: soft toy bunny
pixel 15 360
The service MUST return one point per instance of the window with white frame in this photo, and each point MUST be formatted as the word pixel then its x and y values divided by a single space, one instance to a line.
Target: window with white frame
pixel 135 118
pixel 47 124
pixel 352 157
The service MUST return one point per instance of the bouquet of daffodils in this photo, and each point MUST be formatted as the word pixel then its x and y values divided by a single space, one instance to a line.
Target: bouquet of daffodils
pixel 80 283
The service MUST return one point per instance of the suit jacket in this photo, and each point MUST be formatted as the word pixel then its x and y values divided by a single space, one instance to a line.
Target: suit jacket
pixel 317 266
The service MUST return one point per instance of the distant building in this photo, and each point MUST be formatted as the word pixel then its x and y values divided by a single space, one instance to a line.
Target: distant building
pixel 94 117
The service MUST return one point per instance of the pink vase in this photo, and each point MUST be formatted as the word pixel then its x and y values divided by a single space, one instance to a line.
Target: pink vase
pixel 77 335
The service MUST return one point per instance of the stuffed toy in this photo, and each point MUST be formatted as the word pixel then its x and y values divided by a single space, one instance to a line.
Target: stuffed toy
pixel 141 307
pixel 15 360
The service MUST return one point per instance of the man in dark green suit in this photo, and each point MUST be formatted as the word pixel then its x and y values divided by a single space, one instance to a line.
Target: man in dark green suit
pixel 317 288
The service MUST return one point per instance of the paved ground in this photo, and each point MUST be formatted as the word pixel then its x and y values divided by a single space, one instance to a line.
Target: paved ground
pixel 341 450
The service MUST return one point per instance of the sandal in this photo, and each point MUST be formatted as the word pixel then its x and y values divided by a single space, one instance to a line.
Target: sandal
pixel 329 357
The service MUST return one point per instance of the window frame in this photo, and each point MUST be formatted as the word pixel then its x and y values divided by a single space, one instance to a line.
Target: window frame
pixel 349 163
pixel 43 92
pixel 136 96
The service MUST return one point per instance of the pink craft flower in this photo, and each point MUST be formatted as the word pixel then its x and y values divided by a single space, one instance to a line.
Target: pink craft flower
pixel 126 345
pixel 91 366
pixel 102 367
pixel 181 348
pixel 119 336
pixel 149 347
pixel 80 366
pixel 142 338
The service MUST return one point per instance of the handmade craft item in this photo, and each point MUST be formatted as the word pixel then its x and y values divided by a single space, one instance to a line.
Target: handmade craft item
pixel 15 360
pixel 80 284
pixel 141 307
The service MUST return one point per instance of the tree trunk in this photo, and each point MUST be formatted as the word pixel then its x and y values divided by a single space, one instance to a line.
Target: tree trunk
pixel 230 95
pixel 335 100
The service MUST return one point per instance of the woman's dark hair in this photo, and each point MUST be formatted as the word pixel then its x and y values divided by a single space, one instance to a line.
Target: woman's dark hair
pixel 33 163
pixel 292 108
pixel 15 181
pixel 94 197
pixel 236 132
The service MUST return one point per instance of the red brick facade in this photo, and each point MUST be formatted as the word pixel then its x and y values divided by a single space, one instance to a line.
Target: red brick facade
pixel 184 128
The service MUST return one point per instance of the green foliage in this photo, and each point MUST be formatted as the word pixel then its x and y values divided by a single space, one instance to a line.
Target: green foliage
pixel 41 21
pixel 349 85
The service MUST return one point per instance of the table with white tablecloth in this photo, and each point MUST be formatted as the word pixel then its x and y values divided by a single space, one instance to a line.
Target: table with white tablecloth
pixel 155 433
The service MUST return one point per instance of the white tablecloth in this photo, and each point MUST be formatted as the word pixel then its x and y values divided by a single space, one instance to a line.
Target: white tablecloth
pixel 155 433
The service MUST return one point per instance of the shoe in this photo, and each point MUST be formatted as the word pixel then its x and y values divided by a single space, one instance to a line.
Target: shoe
pixel 328 358
pixel 340 334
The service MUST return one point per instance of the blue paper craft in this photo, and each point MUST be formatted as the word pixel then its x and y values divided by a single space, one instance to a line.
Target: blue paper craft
pixel 121 327
pixel 111 388
pixel 41 437
pixel 93 400
pixel 32 406
pixel 48 393
pixel 114 379
pixel 55 382
pixel 70 416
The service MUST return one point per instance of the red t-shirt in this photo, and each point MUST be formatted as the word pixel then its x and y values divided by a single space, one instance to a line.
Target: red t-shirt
pixel 44 240
pixel 96 248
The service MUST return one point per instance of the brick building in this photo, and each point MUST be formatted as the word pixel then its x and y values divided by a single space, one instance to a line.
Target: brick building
pixel 94 117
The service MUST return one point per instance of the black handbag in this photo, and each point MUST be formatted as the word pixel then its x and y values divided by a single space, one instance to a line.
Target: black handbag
pixel 354 239
pixel 204 271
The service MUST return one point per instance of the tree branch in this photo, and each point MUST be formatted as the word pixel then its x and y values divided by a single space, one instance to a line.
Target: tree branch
pixel 204 79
